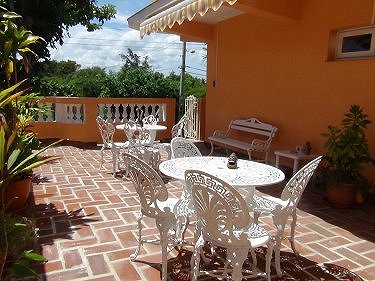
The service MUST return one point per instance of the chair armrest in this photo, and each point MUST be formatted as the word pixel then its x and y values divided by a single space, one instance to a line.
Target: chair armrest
pixel 259 145
pixel 221 134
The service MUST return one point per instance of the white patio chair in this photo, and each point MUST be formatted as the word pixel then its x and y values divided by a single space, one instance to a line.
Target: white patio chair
pixel 153 120
pixel 156 204
pixel 224 221
pixel 179 127
pixel 140 144
pixel 107 131
pixel 136 134
pixel 182 147
pixel 286 206
pixel 150 119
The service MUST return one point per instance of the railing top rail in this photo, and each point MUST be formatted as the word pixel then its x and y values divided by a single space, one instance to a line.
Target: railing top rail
pixel 107 100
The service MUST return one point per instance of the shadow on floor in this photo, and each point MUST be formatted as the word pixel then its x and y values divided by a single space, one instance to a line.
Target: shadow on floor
pixel 294 268
pixel 357 220
pixel 77 144
pixel 53 223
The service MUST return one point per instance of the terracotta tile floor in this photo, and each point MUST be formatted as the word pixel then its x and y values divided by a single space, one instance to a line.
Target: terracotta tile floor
pixel 87 227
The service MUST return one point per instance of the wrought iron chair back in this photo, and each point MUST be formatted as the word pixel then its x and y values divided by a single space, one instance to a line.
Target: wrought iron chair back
pixel 182 147
pixel 140 144
pixel 224 221
pixel 148 185
pixel 286 206
pixel 107 131
pixel 178 130
pixel 136 134
pixel 153 197
pixel 296 185
pixel 150 119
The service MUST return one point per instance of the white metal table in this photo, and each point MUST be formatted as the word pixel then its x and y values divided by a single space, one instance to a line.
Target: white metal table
pixel 297 157
pixel 249 174
pixel 150 127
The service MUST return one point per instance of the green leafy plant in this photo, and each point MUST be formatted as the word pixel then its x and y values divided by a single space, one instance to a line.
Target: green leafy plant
pixel 21 235
pixel 347 150
pixel 14 41
pixel 20 150
pixel 17 159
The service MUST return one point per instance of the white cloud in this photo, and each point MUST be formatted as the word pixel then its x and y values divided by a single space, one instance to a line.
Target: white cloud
pixel 120 18
pixel 103 47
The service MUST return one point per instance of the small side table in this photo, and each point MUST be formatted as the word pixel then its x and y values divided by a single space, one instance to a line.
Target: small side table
pixel 293 155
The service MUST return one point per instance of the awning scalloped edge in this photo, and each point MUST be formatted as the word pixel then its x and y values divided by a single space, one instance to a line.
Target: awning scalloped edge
pixel 187 9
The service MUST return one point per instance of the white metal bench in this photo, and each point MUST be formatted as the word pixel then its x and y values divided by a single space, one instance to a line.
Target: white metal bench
pixel 252 126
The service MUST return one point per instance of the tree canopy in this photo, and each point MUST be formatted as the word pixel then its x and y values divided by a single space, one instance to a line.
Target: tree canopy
pixel 52 19
pixel 136 78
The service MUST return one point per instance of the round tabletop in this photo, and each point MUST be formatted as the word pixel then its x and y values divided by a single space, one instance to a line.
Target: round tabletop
pixel 248 173
pixel 150 127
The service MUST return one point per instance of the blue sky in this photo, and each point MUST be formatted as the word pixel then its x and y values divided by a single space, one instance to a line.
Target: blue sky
pixel 103 47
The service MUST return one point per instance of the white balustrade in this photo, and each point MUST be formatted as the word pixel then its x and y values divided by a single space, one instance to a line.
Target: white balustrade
pixel 48 116
pixel 70 113
pixel 118 113
pixel 114 112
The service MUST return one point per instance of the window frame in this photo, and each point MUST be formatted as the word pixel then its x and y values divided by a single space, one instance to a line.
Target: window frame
pixel 341 34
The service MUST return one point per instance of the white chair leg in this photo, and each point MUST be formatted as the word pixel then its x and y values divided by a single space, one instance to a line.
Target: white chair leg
pixel 255 261
pixel 277 255
pixel 114 162
pixel 268 259
pixel 102 158
pixel 164 253
pixel 167 148
pixel 164 225
pixel 292 232
pixel 237 258
pixel 139 221
pixel 195 259
pixel 181 227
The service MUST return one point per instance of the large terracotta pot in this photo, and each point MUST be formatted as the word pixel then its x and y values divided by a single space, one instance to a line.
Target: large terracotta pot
pixel 342 195
pixel 17 193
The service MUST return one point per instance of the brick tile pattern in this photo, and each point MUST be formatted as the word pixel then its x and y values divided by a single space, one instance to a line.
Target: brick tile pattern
pixel 87 228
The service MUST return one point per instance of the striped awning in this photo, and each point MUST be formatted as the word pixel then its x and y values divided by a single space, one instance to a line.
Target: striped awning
pixel 186 9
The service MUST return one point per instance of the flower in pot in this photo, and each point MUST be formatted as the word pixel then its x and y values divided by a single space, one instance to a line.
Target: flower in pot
pixel 346 154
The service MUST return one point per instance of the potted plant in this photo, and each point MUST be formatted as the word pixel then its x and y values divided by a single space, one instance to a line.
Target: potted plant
pixel 20 151
pixel 17 109
pixel 17 159
pixel 346 154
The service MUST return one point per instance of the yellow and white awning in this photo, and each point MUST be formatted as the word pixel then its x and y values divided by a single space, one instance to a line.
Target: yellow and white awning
pixel 186 9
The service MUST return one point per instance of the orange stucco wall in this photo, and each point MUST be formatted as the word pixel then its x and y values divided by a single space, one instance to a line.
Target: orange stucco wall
pixel 279 72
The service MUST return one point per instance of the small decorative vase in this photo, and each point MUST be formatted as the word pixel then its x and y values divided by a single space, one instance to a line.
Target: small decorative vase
pixel 307 148
pixel 232 161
